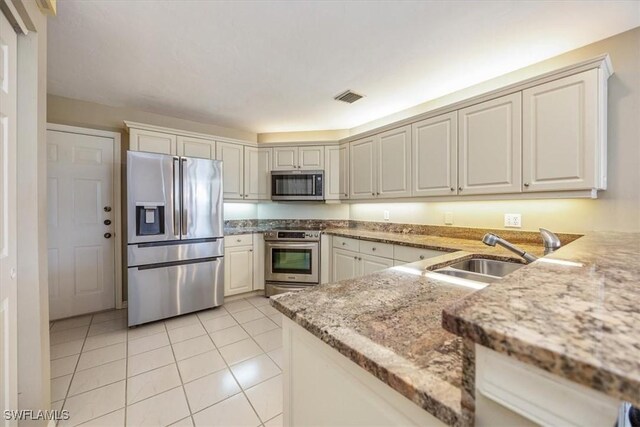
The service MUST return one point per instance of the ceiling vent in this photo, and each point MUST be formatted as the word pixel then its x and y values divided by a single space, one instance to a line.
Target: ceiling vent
pixel 348 97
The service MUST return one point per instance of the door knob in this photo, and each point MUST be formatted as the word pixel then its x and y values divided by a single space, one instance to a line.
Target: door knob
pixel 107 208
pixel 107 235
pixel 107 222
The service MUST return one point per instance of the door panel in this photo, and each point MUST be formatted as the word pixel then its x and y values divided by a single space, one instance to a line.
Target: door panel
pixel 81 257
pixel 238 264
pixel 370 264
pixel 560 133
pixel 8 217
pixel 311 158
pixel 435 156
pixel 232 156
pixel 394 163
pixel 152 142
pixel 345 265
pixel 490 146
pixel 196 147
pixel 362 157
pixel 285 158
pixel 152 183
pixel 336 172
pixel 257 170
pixel 201 198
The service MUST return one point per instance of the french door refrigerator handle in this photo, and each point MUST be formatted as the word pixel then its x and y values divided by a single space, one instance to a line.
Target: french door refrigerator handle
pixel 183 209
pixel 177 196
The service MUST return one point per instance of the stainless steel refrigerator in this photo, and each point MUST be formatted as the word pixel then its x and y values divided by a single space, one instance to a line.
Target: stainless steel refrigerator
pixel 175 235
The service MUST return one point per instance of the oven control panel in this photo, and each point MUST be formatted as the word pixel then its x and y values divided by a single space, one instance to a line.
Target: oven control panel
pixel 292 235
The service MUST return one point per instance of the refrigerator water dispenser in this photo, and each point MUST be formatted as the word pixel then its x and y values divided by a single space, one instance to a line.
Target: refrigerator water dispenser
pixel 149 220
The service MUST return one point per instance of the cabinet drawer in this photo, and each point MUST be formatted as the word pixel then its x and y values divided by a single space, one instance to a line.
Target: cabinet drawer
pixel 384 250
pixel 408 254
pixel 346 243
pixel 238 240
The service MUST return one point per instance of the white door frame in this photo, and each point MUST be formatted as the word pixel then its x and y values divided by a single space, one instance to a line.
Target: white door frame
pixel 117 189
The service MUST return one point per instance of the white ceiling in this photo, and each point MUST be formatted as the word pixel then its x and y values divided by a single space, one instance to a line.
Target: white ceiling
pixel 269 66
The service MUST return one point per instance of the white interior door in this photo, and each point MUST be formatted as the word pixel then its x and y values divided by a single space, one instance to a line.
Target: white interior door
pixel 81 223
pixel 8 210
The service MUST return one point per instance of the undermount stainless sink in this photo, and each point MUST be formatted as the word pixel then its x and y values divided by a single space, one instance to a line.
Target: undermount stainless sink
pixel 488 267
pixel 480 270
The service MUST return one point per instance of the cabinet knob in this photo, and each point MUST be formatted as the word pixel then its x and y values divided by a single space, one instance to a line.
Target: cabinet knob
pixel 345 194
pixel 373 249
pixel 526 184
pixel 459 188
pixel 359 259
pixel 421 256
pixel 250 250
pixel 238 240
pixel 355 257
pixel 344 243
pixel 453 189
pixel 373 194
pixel 377 194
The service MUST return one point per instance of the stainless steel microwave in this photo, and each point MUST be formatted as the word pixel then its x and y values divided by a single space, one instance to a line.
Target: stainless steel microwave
pixel 298 185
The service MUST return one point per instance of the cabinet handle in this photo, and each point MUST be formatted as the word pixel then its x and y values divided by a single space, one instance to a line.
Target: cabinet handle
pixel 526 184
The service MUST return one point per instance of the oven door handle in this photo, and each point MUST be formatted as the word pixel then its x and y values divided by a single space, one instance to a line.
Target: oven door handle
pixel 290 245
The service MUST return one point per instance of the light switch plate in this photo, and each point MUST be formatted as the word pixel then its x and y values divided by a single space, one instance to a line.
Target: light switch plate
pixel 386 215
pixel 513 220
pixel 448 218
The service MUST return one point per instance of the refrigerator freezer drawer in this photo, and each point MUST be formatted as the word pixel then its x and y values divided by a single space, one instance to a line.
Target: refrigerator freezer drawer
pixel 154 253
pixel 166 290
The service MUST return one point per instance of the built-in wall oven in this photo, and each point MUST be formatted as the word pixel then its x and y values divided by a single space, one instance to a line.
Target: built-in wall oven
pixel 297 185
pixel 292 260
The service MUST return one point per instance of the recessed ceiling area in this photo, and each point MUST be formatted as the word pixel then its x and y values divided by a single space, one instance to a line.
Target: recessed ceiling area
pixel 275 66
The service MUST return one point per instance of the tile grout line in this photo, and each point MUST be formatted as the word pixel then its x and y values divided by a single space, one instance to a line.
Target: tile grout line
pixel 231 372
pixel 175 360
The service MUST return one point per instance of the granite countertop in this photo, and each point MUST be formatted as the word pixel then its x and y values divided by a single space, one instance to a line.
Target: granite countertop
pixel 440 243
pixel 390 324
pixel 574 314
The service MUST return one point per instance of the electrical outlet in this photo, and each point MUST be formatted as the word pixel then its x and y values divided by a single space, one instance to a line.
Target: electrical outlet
pixel 513 220
pixel 448 218
pixel 386 215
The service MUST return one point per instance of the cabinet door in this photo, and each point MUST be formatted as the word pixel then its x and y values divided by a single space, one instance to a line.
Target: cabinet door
pixel 257 167
pixel 238 270
pixel 369 264
pixel 561 134
pixel 232 156
pixel 258 261
pixel 345 265
pixel 152 142
pixel 362 168
pixel 311 158
pixel 337 172
pixel 285 158
pixel 435 156
pixel 196 147
pixel 490 146
pixel 394 163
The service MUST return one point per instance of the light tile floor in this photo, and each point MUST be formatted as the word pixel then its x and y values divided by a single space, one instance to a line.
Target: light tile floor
pixel 218 367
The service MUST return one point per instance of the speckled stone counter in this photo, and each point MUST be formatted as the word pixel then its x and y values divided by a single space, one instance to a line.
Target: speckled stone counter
pixel 390 324
pixel 439 243
pixel 575 314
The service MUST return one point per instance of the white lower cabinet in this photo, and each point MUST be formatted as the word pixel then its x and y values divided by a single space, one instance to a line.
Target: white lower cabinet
pixel 370 264
pixel 243 263
pixel 345 265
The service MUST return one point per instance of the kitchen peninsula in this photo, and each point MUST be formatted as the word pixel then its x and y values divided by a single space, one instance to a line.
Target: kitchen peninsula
pixel 421 351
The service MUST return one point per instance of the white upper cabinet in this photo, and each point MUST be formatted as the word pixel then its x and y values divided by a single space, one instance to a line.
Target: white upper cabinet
pixel 152 142
pixel 257 169
pixel 304 157
pixel 311 158
pixel 435 156
pixel 394 163
pixel 362 169
pixel 490 147
pixel 196 147
pixel 564 135
pixel 285 158
pixel 336 172
pixel 232 156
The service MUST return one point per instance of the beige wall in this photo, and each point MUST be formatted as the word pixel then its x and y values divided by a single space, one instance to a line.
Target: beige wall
pixel 617 208
pixel 74 112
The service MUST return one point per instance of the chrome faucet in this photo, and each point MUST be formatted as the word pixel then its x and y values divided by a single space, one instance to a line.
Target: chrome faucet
pixel 551 243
